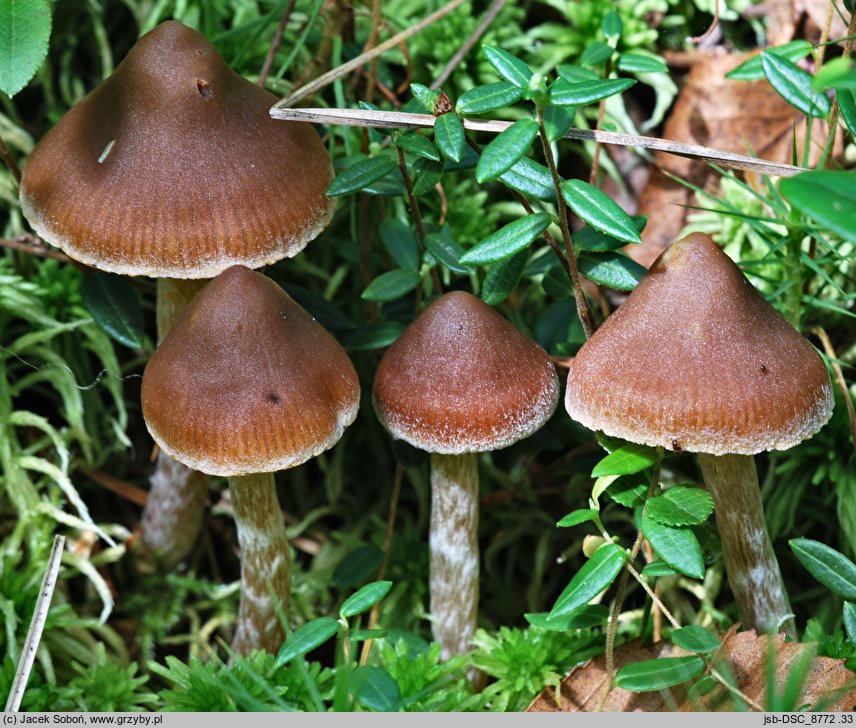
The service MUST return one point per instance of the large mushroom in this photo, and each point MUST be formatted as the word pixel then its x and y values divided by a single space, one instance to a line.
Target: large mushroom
pixel 697 360
pixel 461 380
pixel 172 168
pixel 248 383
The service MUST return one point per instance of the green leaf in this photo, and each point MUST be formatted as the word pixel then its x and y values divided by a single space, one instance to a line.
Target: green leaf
pixel 426 174
pixel 361 635
pixel 564 93
pixel 490 97
pixel 850 620
pixel 829 198
pixel 593 577
pixel 611 269
pixel 596 53
pixel 575 518
pixel 506 149
pixel 847 107
pixel 503 277
pixel 25 29
pixel 752 69
pixel 658 568
pixel 832 569
pixel 417 144
pixel 678 547
pixel 695 639
pixel 511 68
pixel 589 238
pixel 577 74
pixel 629 490
pixel 794 86
pixel 612 25
pixel 588 615
pixel 361 175
pixel 681 506
pixel 658 674
pixel 428 97
pixel 307 638
pixel 364 598
pixel 371 336
pixel 598 210
pixel 639 63
pixel 443 247
pixel 531 179
pixel 400 243
pixel 626 460
pixel 556 283
pixel 837 73
pixel 115 307
pixel 557 120
pixel 391 285
pixel 375 689
pixel 450 136
pixel 508 240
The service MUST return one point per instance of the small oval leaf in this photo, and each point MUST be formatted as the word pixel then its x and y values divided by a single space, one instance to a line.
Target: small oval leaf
pixel 575 518
pixel 531 179
pixel 658 674
pixel 375 689
pixel 828 197
pixel 589 615
pixel 832 569
pixel 564 93
pixel 506 149
pixel 502 278
pixel 361 175
pixel 752 70
pixel 794 86
pixel 307 638
pixel 611 269
pixel 678 547
pixel 115 307
pixel 639 63
pixel 375 335
pixel 695 639
pixel 626 460
pixel 450 137
pixel 596 208
pixel 444 248
pixel 364 598
pixel 490 97
pixel 681 506
pixel 508 240
pixel 511 68
pixel 391 285
pixel 593 577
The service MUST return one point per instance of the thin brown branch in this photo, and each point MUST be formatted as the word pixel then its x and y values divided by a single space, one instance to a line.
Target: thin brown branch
pixel 713 23
pixel 481 28
pixel 374 32
pixel 825 341
pixel 275 43
pixel 401 120
pixel 9 160
pixel 42 251
pixel 346 68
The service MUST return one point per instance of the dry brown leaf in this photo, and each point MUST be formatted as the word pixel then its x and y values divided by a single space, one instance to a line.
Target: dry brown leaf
pixel 828 684
pixel 738 116
pixel 783 17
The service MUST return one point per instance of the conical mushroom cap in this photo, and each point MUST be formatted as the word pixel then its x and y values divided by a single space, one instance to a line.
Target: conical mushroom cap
pixel 247 381
pixel 697 360
pixel 173 168
pixel 462 379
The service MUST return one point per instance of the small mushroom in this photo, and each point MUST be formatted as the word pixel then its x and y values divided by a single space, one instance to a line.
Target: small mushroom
pixel 461 380
pixel 697 360
pixel 248 383
pixel 172 168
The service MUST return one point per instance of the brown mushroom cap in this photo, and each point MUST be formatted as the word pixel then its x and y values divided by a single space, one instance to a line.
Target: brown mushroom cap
pixel 173 168
pixel 247 381
pixel 462 379
pixel 697 360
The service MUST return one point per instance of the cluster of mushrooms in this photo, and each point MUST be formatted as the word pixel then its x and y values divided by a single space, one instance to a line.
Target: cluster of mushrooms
pixel 194 181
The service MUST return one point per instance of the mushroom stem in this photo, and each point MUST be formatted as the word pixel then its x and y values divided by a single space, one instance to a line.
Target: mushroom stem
pixel 173 514
pixel 265 563
pixel 454 550
pixel 750 563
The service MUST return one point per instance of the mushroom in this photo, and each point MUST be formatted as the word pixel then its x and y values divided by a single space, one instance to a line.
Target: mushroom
pixel 461 380
pixel 248 383
pixel 173 168
pixel 697 360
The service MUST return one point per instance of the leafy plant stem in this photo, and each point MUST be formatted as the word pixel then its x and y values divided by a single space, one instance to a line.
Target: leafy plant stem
pixel 793 270
pixel 387 546
pixel 583 309
pixel 601 110
pixel 835 112
pixel 371 79
pixel 609 653
pixel 551 241
pixel 417 219
pixel 7 158
pixel 275 43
